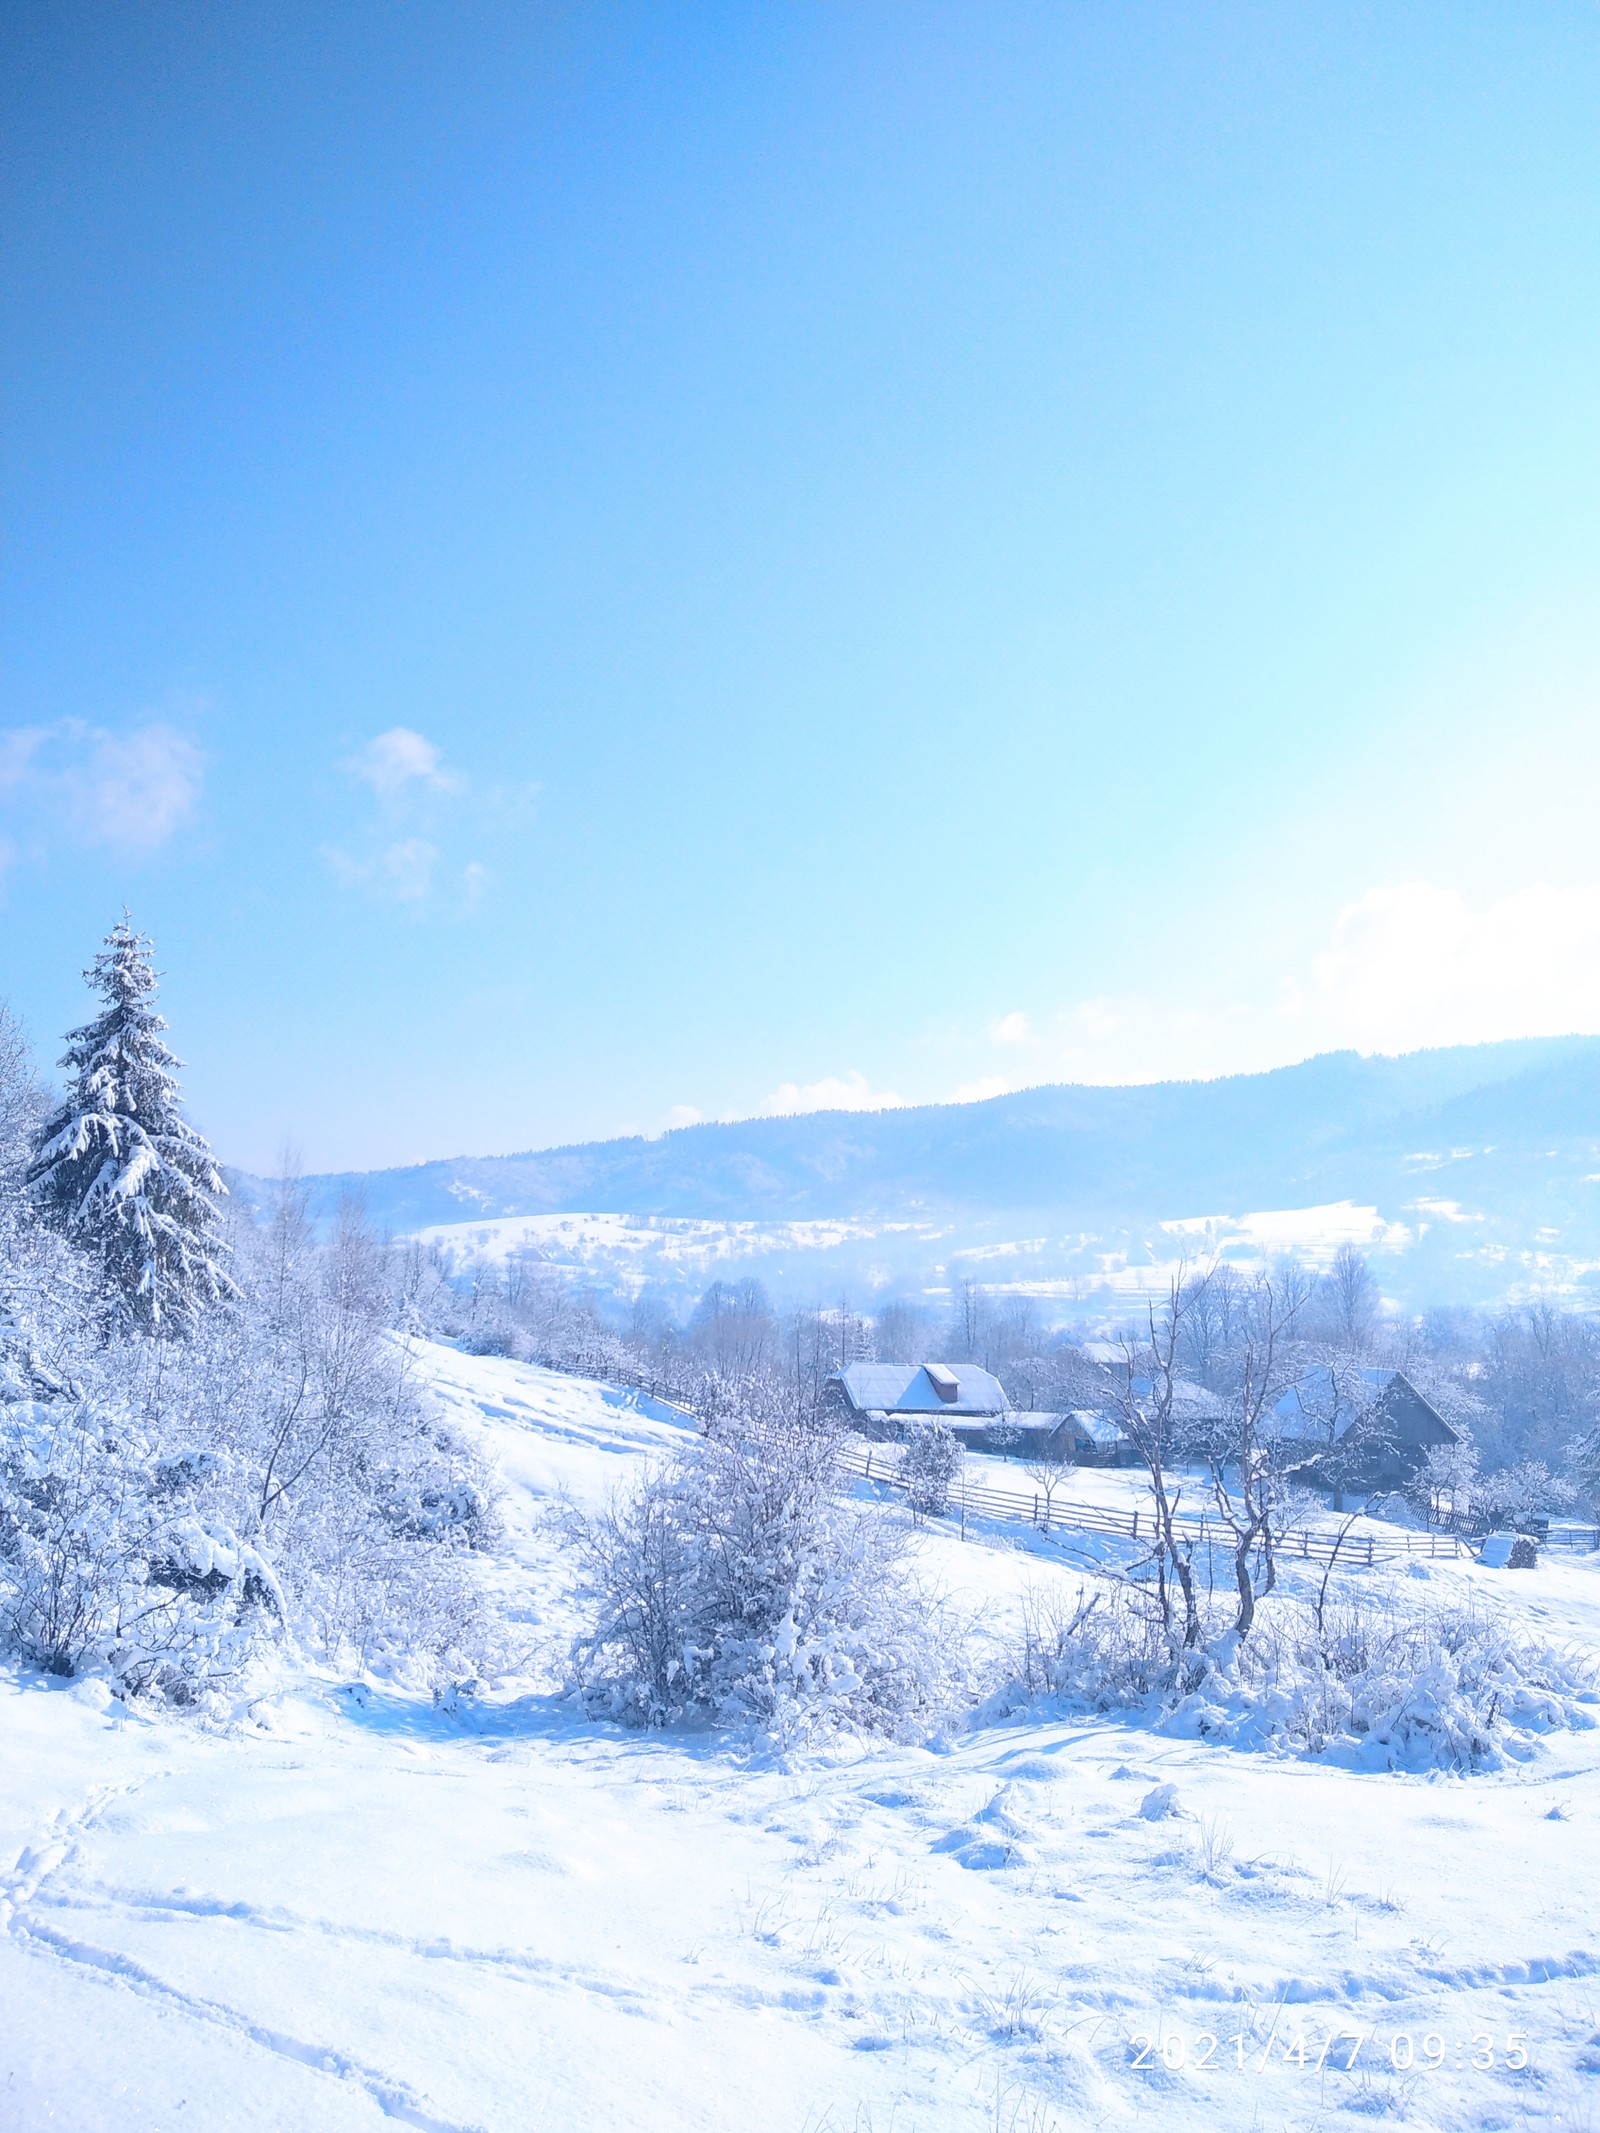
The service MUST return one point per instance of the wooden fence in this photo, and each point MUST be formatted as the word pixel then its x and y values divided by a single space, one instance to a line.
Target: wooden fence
pixel 1046 1509
pixel 1565 1536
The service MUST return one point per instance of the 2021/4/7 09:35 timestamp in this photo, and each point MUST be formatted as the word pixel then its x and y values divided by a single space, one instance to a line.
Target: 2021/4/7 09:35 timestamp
pixel 1344 2051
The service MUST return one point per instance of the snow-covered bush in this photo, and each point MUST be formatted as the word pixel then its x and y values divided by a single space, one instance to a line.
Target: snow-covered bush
pixel 1100 1652
pixel 113 1556
pixel 1383 1679
pixel 342 1470
pixel 930 1467
pixel 1402 1683
pixel 740 1585
pixel 1516 1493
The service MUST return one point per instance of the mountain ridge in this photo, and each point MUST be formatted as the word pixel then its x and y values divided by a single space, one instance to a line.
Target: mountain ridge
pixel 1512 1129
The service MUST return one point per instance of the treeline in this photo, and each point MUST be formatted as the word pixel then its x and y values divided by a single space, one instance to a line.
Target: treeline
pixel 1520 1385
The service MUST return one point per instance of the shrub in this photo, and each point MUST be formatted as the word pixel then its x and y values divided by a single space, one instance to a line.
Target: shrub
pixel 930 1466
pixel 111 1556
pixel 739 1585
pixel 1373 1677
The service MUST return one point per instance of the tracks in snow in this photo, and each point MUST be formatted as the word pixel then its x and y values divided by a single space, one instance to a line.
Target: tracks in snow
pixel 25 1894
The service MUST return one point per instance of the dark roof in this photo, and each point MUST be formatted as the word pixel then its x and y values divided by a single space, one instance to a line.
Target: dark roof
pixel 1325 1404
pixel 1384 1443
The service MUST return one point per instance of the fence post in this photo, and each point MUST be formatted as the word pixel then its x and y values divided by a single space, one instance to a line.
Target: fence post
pixel 1136 1525
pixel 869 1462
pixel 1369 1551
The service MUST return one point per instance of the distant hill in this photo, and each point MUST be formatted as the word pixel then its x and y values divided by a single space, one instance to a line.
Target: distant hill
pixel 1472 1171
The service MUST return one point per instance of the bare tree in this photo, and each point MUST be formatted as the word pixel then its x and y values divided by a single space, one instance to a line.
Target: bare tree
pixel 1148 1400
pixel 1350 1301
pixel 1210 1322
pixel 1049 1464
pixel 1444 1482
pixel 734 1328
pixel 901 1333
pixel 1247 1486
pixel 1541 1380
pixel 810 1349
pixel 22 1100
pixel 968 1312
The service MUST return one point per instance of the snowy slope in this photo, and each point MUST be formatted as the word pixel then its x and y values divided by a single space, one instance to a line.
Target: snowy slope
pixel 361 1910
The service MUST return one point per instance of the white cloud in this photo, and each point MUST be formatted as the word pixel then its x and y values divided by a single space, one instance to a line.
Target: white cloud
pixel 1413 964
pixel 19 745
pixel 402 850
pixel 1014 1028
pixel 133 793
pixel 849 1092
pixel 683 1115
pixel 1406 966
pixel 347 872
pixel 406 869
pixel 401 873
pixel 128 792
pixel 399 759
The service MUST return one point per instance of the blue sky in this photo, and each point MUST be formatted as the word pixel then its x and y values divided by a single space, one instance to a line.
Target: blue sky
pixel 580 567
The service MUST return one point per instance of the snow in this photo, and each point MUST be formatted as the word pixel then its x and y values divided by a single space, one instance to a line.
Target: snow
pixel 633 1250
pixel 1089 1273
pixel 357 1908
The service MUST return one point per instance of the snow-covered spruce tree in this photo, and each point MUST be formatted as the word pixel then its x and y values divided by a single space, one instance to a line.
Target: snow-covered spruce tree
pixel 119 1169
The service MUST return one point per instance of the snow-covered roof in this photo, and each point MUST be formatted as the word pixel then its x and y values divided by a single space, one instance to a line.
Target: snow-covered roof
pixel 908 1389
pixel 1094 1428
pixel 1325 1402
pixel 1189 1400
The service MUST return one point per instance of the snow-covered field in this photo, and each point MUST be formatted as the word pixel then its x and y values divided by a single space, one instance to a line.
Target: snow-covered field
pixel 358 1908
pixel 1094 1271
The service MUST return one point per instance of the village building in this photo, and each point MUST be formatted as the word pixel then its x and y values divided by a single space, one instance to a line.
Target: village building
pixel 888 1400
pixel 881 1399
pixel 1368 1431
pixel 1099 1439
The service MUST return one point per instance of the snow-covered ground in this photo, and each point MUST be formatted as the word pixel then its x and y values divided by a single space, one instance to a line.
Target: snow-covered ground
pixel 1093 1272
pixel 630 1251
pixel 358 1908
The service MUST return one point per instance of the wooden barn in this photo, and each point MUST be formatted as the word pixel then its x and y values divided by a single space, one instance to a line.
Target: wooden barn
pixel 1373 1426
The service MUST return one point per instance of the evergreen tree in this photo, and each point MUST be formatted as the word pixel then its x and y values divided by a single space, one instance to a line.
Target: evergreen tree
pixel 119 1169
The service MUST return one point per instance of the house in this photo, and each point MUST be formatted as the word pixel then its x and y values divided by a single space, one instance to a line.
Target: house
pixel 1099 1439
pixel 1368 1431
pixel 882 1399
pixel 886 1400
